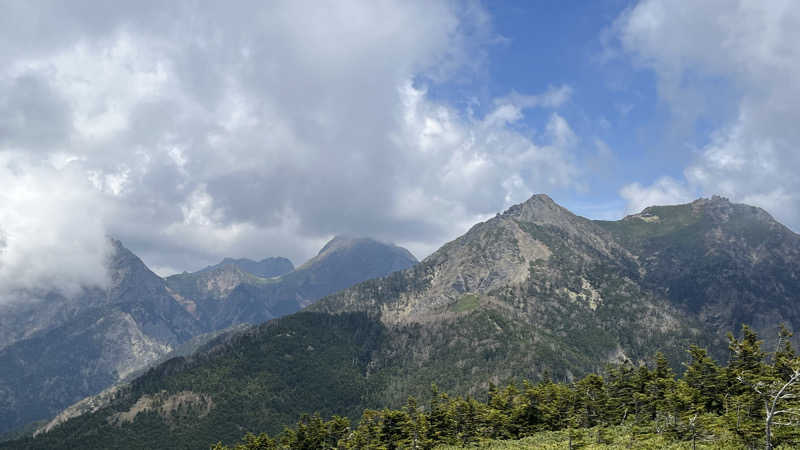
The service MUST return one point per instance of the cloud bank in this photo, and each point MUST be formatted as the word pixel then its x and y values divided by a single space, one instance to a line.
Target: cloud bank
pixel 252 129
pixel 51 230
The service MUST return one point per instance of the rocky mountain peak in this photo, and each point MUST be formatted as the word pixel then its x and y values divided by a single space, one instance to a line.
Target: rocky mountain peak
pixel 341 242
pixel 267 268
pixel 346 244
pixel 541 210
pixel 532 290
pixel 716 211
pixel 222 280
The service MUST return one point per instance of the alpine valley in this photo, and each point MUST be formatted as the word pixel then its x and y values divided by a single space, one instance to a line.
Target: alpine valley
pixel 533 292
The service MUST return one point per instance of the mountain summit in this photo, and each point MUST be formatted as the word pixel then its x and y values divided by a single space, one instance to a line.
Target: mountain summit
pixel 226 294
pixel 531 291
pixel 266 268
pixel 60 350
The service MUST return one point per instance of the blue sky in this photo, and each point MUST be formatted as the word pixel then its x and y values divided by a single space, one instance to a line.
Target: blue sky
pixel 252 129
pixel 625 129
pixel 555 43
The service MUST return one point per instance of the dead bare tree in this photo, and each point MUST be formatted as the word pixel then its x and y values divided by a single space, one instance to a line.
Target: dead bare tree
pixel 776 395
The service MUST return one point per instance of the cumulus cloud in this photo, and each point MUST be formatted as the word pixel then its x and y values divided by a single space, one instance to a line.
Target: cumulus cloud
pixel 256 129
pixel 665 191
pixel 735 65
pixel 51 230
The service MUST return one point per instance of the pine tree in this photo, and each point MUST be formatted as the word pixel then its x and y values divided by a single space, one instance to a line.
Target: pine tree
pixel 527 415
pixel 621 388
pixel 368 434
pixel 416 427
pixel 394 428
pixel 441 423
pixel 660 389
pixel 705 379
pixel 590 401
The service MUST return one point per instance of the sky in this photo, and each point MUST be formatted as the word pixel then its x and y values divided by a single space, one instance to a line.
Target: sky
pixel 193 130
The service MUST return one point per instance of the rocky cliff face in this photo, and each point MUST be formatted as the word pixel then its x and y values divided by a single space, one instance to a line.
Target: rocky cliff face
pixel 692 271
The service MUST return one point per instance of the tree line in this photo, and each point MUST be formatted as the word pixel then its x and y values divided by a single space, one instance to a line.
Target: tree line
pixel 753 401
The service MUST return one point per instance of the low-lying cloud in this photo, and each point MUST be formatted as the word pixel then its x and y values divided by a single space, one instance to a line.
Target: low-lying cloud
pixel 52 235
pixel 253 129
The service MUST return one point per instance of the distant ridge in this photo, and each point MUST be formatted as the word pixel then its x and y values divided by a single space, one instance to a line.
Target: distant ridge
pixel 266 268
pixel 535 290
pixel 82 345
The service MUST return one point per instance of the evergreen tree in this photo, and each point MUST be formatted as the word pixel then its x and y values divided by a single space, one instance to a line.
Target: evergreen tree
pixel 752 401
pixel 441 422
pixel 746 369
pixel 590 401
pixel 705 386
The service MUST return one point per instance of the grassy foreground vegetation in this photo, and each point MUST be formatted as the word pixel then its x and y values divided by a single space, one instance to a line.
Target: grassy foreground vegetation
pixel 753 402
pixel 612 438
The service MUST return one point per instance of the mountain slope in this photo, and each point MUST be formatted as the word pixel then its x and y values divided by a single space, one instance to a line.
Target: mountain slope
pixel 118 330
pixel 91 341
pixel 543 289
pixel 727 263
pixel 226 294
pixel 531 291
pixel 266 268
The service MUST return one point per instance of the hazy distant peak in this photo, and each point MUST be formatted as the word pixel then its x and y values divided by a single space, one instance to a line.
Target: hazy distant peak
pixel 346 246
pixel 344 241
pixel 266 268
pixel 340 242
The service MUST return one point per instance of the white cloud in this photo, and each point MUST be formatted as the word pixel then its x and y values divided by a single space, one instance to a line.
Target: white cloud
pixel 552 98
pixel 735 64
pixel 460 170
pixel 260 129
pixel 665 191
pixel 51 230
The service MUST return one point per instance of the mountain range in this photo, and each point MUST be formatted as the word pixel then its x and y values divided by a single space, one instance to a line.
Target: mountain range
pixel 533 292
pixel 56 350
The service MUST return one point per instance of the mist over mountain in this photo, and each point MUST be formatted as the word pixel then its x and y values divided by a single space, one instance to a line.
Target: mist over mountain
pixel 533 290
pixel 83 344
pixel 58 350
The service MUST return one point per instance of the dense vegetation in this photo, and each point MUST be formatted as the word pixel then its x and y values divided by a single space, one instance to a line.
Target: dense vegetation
pixel 752 402
pixel 258 380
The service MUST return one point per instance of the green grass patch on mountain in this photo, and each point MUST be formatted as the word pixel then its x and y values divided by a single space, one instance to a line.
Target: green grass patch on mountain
pixel 467 302
pixel 653 222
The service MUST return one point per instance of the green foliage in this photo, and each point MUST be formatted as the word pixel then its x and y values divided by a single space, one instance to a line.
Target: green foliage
pixel 467 302
pixel 629 407
pixel 259 381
